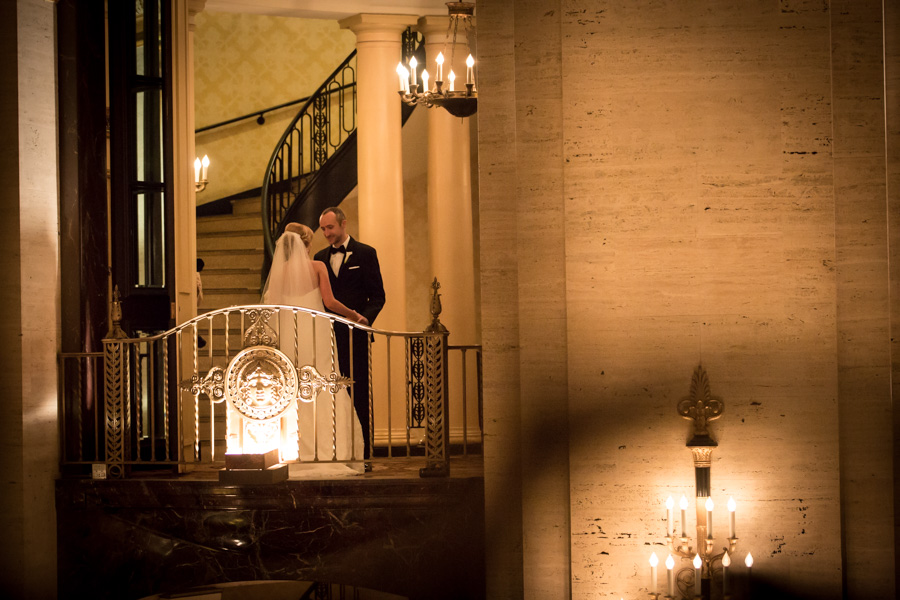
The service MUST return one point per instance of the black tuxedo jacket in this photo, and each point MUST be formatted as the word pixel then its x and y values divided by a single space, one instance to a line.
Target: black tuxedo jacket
pixel 358 285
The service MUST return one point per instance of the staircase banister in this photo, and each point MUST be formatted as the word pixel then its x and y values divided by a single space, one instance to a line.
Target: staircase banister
pixel 267 235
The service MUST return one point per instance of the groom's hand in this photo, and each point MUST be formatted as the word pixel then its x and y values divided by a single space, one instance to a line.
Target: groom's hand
pixel 363 320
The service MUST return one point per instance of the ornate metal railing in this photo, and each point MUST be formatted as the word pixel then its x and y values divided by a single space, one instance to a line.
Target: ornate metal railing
pixel 321 126
pixel 162 401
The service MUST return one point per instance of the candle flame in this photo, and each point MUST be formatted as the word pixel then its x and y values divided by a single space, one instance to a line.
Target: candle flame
pixel 731 505
pixel 749 560
pixel 653 560
pixel 440 58
pixel 413 63
pixel 726 560
pixel 709 504
pixel 670 503
pixel 683 503
pixel 400 69
pixel 697 561
pixel 470 62
pixel 670 563
pixel 205 161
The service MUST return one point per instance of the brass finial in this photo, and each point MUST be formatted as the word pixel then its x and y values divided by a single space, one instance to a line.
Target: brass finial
pixel 701 407
pixel 116 332
pixel 436 309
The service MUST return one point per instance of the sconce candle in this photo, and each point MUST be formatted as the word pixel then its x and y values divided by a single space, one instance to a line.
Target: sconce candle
pixel 197 170
pixel 731 509
pixel 653 562
pixel 402 75
pixel 698 564
pixel 709 511
pixel 205 164
pixel 749 562
pixel 470 62
pixel 425 80
pixel 670 576
pixel 683 504
pixel 726 562
pixel 670 516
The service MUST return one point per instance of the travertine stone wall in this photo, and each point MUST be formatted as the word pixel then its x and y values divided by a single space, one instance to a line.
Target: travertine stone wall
pixel 863 296
pixel 706 218
pixel 30 299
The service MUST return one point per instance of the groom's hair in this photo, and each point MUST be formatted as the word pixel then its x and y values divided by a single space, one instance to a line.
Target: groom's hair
pixel 338 213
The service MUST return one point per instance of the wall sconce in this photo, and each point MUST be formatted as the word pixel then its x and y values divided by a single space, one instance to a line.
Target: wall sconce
pixel 200 170
pixel 696 581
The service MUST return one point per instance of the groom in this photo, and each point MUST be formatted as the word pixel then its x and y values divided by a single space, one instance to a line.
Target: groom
pixel 356 281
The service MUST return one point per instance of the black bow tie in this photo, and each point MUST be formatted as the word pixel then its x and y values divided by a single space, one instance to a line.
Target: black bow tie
pixel 334 250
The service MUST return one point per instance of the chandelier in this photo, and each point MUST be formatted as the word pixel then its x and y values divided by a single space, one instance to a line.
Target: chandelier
pixel 461 102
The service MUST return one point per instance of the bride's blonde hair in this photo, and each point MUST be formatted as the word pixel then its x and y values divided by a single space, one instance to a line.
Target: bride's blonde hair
pixel 305 233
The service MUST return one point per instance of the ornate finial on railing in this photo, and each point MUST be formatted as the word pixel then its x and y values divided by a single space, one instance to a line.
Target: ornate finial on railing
pixel 701 407
pixel 436 309
pixel 115 312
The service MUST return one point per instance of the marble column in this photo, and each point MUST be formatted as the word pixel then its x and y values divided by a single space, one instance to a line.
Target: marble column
pixel 450 231
pixel 379 153
pixel 29 298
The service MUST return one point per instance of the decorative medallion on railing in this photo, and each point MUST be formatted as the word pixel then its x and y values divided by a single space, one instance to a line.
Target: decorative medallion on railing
pixel 261 383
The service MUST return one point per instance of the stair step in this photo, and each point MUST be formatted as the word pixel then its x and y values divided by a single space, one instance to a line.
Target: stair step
pixel 217 279
pixel 231 259
pixel 246 205
pixel 222 298
pixel 236 240
pixel 218 223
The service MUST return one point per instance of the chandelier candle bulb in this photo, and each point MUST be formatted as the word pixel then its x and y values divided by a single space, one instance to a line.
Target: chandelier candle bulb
pixel 670 516
pixel 731 509
pixel 424 80
pixel 439 76
pixel 709 512
pixel 413 63
pixel 683 504
pixel 403 76
pixel 653 562
pixel 670 576
pixel 451 77
pixel 205 164
pixel 470 63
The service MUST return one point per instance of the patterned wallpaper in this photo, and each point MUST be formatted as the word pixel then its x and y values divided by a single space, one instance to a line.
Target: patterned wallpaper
pixel 243 63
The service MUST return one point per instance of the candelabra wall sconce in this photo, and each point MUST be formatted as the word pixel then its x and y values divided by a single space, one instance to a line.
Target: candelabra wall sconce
pixel 696 581
pixel 201 167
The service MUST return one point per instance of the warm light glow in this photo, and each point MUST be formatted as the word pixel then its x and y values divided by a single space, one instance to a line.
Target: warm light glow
pixel 653 560
pixel 440 58
pixel 205 163
pixel 683 503
pixel 451 77
pixel 731 505
pixel 726 560
pixel 425 77
pixel 197 170
pixel 697 561
pixel 470 62
pixel 709 504
pixel 749 560
pixel 670 504
pixel 670 563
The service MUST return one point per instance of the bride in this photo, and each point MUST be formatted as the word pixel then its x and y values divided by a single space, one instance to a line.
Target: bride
pixel 329 429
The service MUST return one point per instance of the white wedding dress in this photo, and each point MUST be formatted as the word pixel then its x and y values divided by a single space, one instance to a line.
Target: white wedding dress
pixel 326 430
